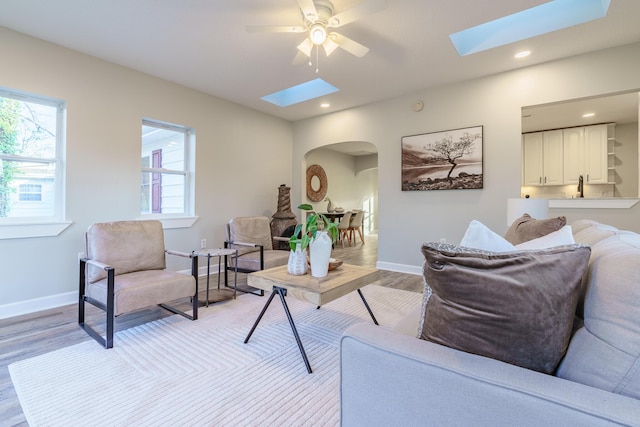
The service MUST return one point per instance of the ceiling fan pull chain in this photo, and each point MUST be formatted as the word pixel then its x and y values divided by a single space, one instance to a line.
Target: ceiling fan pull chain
pixel 317 60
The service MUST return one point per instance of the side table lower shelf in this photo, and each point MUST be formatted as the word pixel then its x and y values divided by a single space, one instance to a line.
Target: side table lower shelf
pixel 219 252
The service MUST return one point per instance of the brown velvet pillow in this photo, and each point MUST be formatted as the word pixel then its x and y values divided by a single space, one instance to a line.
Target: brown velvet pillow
pixel 516 307
pixel 526 228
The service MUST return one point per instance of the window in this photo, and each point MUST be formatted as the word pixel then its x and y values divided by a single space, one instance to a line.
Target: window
pixel 31 153
pixel 165 186
pixel 30 192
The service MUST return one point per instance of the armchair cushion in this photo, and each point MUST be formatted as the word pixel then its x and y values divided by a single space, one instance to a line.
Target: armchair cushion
pixel 252 229
pixel 140 289
pixel 251 260
pixel 517 307
pixel 127 246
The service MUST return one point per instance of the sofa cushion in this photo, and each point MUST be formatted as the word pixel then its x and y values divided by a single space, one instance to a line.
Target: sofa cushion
pixel 517 307
pixel 605 352
pixel 479 236
pixel 127 246
pixel 561 237
pixel 593 234
pixel 527 228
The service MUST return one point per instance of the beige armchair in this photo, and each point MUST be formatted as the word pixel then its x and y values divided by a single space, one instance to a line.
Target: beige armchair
pixel 252 237
pixel 125 271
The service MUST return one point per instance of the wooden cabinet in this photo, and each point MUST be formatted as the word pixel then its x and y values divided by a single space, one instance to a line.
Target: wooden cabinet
pixel 586 153
pixel 542 158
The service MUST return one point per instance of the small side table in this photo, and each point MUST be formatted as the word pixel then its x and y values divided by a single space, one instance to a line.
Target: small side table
pixel 219 252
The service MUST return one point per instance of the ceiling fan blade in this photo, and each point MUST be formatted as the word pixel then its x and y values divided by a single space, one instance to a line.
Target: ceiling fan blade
pixel 300 58
pixel 351 46
pixel 308 9
pixel 306 46
pixel 361 10
pixel 275 29
pixel 329 46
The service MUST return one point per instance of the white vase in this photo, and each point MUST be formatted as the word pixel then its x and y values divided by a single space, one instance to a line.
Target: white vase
pixel 320 252
pixel 297 265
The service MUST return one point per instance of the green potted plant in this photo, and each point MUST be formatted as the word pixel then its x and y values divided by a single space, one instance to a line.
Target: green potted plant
pixel 318 235
pixel 311 229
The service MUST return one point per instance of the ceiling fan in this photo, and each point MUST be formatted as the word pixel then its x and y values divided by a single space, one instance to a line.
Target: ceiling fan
pixel 318 16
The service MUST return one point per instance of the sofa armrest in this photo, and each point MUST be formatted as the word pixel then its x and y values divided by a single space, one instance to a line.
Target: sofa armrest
pixel 393 379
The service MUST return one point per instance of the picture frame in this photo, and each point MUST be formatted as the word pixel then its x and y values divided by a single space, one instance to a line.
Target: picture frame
pixel 443 160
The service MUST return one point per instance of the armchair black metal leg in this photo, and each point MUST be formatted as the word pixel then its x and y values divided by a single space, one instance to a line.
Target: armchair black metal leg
pixel 110 307
pixel 194 273
pixel 81 286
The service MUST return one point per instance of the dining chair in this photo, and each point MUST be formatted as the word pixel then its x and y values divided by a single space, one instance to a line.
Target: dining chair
pixel 355 224
pixel 343 228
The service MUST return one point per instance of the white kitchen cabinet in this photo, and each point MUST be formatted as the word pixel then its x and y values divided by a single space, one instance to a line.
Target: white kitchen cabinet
pixel 542 158
pixel 586 154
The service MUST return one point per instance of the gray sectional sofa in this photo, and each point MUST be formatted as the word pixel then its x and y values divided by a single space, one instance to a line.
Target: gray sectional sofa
pixel 389 377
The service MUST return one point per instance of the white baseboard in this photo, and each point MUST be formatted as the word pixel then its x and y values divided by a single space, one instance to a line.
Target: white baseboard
pixel 37 304
pixel 399 268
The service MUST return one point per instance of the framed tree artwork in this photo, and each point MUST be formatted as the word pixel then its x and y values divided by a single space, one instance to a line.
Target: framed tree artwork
pixel 445 160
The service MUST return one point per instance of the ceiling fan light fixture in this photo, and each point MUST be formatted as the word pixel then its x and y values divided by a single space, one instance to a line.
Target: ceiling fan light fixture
pixel 317 34
pixel 329 46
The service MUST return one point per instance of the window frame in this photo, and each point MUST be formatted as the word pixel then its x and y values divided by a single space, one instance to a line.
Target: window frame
pixel 41 226
pixel 187 217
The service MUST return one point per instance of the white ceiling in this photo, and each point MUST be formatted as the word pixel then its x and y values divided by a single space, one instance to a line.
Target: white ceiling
pixel 619 108
pixel 203 44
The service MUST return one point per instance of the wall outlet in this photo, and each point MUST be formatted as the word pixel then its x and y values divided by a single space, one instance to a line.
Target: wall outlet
pixel 203 243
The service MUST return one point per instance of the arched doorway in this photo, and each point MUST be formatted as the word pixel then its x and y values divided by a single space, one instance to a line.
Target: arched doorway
pixel 351 169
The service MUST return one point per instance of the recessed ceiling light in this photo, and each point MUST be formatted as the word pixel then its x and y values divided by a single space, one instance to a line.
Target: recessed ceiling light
pixel 587 115
pixel 325 105
pixel 522 54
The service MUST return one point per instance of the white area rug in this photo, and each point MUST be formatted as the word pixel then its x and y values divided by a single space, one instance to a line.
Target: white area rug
pixel 177 372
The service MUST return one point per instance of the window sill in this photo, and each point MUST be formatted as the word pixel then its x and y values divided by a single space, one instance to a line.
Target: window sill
pixel 30 230
pixel 175 222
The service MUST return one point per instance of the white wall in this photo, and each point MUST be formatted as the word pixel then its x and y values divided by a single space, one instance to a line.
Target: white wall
pixel 627 160
pixel 346 187
pixel 105 107
pixel 407 219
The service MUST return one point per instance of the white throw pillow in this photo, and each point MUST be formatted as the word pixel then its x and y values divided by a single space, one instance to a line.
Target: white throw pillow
pixel 564 236
pixel 479 236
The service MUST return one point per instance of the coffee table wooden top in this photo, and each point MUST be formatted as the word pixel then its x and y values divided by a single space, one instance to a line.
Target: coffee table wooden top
pixel 341 281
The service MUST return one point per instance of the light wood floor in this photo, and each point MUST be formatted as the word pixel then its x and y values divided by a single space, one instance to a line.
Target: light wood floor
pixel 23 337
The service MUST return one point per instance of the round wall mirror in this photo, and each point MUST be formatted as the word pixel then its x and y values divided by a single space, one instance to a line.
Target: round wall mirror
pixel 316 183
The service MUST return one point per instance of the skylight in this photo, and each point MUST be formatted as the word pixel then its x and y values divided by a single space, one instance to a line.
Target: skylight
pixel 300 93
pixel 548 17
